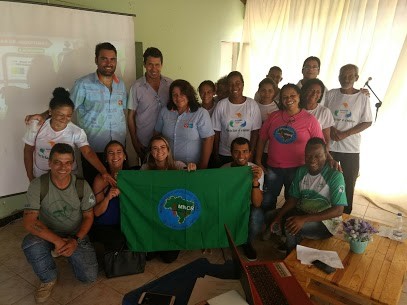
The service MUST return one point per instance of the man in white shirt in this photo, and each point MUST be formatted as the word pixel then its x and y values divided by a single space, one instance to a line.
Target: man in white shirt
pixel 241 153
pixel 352 114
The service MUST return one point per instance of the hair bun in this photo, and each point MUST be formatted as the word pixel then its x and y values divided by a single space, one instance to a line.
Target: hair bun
pixel 60 93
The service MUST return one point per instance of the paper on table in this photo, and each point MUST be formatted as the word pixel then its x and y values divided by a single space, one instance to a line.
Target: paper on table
pixel 307 255
pixel 228 298
pixel 209 287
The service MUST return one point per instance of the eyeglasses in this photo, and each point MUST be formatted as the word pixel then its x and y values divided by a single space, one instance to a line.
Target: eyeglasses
pixel 310 67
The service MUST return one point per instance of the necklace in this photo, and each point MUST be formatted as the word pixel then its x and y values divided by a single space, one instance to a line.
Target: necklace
pixel 291 118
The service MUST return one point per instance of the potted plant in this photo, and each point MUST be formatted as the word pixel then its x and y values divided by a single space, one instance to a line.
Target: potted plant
pixel 358 233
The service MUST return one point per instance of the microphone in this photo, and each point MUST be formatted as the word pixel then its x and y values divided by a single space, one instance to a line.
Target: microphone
pixel 367 82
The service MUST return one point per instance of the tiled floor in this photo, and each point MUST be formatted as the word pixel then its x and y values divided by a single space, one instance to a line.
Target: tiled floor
pixel 18 282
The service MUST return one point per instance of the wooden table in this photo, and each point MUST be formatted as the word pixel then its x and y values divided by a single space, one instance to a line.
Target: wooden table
pixel 374 277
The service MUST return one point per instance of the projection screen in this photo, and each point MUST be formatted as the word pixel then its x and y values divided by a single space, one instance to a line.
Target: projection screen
pixel 43 47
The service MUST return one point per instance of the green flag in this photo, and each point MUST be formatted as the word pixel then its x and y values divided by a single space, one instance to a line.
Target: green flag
pixel 176 209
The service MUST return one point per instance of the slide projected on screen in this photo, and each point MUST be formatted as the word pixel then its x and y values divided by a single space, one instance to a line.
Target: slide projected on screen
pixel 41 48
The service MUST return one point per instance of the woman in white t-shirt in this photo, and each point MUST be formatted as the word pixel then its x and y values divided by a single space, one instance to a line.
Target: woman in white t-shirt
pixel 311 96
pixel 235 116
pixel 39 139
pixel 159 156
pixel 207 92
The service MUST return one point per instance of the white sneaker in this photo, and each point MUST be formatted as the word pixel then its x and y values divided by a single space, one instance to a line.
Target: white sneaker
pixel 44 291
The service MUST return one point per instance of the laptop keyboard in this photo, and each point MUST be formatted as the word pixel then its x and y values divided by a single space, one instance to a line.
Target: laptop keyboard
pixel 266 285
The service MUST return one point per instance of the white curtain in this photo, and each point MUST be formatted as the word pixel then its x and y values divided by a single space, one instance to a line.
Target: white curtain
pixel 368 33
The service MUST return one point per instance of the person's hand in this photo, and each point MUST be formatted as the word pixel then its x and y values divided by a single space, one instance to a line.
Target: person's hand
pixel 109 179
pixel 113 192
pixel 191 167
pixel 257 172
pixel 260 164
pixel 294 224
pixel 334 164
pixel 365 91
pixel 59 244
pixel 338 135
pixel 69 248
pixel 36 116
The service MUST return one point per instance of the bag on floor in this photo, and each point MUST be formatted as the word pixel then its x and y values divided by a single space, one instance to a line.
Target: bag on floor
pixel 124 262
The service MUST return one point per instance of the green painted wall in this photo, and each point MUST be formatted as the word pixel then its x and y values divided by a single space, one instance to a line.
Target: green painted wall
pixel 188 32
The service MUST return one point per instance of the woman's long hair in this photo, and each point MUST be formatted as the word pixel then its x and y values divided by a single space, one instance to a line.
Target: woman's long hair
pixel 151 164
pixel 187 90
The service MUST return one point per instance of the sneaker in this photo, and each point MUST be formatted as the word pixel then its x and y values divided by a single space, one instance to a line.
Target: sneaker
pixel 44 291
pixel 249 251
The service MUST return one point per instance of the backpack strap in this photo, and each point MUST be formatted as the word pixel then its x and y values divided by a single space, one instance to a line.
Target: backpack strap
pixel 44 186
pixel 79 187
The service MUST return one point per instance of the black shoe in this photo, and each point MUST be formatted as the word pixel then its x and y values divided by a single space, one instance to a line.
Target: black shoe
pixel 249 251
pixel 282 248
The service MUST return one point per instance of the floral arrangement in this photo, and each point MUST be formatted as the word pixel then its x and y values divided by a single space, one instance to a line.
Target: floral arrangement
pixel 358 230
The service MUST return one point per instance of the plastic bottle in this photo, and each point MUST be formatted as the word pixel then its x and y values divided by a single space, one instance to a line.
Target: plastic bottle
pixel 398 228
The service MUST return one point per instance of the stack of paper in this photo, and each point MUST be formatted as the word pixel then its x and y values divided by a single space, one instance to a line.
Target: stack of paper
pixel 209 287
pixel 307 255
pixel 228 298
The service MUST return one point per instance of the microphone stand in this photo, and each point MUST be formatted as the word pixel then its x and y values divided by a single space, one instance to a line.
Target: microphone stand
pixel 378 104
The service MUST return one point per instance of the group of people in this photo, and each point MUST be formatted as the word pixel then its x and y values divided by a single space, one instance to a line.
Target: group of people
pixel 286 135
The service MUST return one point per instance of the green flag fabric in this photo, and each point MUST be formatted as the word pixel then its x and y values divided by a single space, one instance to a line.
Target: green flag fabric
pixel 177 209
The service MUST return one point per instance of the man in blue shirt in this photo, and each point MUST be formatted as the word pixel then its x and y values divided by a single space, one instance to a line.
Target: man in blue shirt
pixel 100 100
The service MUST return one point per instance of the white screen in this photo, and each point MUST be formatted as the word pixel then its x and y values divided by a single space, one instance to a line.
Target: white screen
pixel 43 47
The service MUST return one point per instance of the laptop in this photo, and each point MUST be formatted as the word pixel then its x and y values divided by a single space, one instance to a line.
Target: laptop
pixel 267 282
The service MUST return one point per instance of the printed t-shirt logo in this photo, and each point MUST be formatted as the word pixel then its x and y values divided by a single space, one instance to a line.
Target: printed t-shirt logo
pixel 179 209
pixel 285 134
pixel 343 113
pixel 238 121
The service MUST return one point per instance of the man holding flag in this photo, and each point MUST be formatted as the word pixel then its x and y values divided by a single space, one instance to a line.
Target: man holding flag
pixel 241 153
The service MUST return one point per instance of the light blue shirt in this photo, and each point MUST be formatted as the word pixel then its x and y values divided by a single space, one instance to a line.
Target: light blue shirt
pixel 185 132
pixel 147 103
pixel 99 112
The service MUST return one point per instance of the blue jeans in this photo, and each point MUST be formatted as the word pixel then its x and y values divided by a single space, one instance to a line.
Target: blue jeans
pixel 256 221
pixel 274 179
pixel 38 254
pixel 310 230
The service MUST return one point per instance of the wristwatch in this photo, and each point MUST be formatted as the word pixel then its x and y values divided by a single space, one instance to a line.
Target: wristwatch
pixel 78 239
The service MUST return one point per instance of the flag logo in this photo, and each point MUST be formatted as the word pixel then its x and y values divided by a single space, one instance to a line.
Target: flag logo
pixel 179 209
